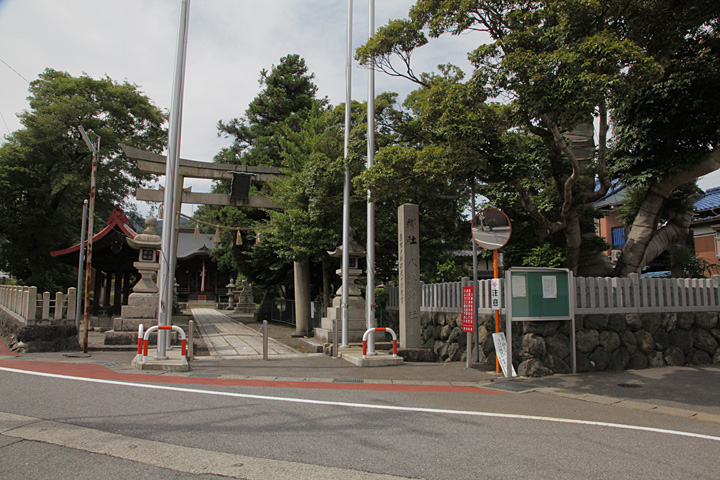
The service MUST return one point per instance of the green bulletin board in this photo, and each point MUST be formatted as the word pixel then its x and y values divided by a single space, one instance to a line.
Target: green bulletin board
pixel 539 294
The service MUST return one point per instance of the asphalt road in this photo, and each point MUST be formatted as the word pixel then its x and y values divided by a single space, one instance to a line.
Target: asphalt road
pixel 54 427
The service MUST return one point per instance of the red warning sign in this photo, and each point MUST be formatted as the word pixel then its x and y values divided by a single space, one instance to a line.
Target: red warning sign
pixel 468 306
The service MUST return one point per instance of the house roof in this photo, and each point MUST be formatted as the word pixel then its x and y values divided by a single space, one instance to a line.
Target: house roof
pixel 710 201
pixel 612 197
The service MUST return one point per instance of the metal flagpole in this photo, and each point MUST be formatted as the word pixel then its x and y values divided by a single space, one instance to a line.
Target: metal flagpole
pixel 166 276
pixel 370 290
pixel 346 189
pixel 476 335
pixel 81 259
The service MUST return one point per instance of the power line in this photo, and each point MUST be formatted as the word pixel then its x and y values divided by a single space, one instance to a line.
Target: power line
pixel 11 68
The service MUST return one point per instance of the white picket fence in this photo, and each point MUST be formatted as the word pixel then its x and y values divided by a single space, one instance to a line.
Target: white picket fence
pixel 633 294
pixel 30 307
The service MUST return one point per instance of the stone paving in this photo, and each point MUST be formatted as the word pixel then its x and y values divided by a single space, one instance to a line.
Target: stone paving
pixel 228 338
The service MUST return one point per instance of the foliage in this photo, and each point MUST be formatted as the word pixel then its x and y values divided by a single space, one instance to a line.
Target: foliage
pixel 554 65
pixel 685 264
pixel 288 92
pixel 545 255
pixel 448 269
pixel 45 167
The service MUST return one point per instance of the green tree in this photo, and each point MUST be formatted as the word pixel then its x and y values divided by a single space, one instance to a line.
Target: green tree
pixel 558 64
pixel 45 167
pixel 287 97
pixel 288 92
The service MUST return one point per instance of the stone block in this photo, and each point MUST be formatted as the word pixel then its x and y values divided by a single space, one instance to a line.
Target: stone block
pixel 632 320
pixel 698 357
pixel 121 324
pixel 674 356
pixel 587 340
pixel 637 361
pixel 656 360
pixel 704 341
pixel 706 320
pixel 645 342
pixel 682 339
pixel 600 359
pixel 619 359
pixel 609 340
pixel 651 322
pixel 662 339
pixel 685 320
pixel 533 368
pixel 595 322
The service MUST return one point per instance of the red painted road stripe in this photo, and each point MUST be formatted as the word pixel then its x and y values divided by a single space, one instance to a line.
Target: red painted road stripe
pixel 89 370
pixel 5 351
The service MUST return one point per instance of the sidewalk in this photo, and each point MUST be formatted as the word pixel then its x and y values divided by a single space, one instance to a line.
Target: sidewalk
pixel 692 392
pixel 227 338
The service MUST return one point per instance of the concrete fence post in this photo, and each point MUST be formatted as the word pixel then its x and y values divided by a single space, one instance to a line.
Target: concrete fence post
pixel 71 299
pixel 45 306
pixel 31 308
pixel 59 298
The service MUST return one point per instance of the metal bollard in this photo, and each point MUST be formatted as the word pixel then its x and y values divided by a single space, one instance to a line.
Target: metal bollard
pixel 265 339
pixel 191 348
pixel 335 340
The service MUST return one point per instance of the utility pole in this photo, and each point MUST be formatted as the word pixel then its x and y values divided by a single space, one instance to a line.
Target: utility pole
pixel 95 149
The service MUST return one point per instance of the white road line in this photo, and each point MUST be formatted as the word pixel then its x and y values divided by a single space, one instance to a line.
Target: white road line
pixel 373 407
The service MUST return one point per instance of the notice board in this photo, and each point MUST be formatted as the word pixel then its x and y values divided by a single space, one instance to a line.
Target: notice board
pixel 539 294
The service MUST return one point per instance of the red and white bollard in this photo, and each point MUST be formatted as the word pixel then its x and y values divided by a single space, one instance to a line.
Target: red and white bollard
pixel 379 329
pixel 183 341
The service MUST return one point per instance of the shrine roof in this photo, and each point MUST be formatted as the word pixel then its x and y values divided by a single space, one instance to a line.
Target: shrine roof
pixel 117 222
pixel 189 246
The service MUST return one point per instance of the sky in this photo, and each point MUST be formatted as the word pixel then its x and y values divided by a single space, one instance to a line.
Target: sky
pixel 229 43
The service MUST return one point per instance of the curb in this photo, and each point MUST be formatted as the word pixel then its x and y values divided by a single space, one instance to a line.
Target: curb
pixel 631 404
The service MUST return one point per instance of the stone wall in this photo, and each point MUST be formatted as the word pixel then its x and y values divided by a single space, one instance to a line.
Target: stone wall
pixel 37 338
pixel 603 342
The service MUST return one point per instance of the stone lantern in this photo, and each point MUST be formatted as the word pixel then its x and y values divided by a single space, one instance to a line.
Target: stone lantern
pixel 143 302
pixel 356 303
pixel 231 295
pixel 147 243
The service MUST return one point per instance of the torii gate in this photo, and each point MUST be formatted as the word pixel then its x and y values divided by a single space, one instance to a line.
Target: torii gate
pixel 154 163
pixel 149 162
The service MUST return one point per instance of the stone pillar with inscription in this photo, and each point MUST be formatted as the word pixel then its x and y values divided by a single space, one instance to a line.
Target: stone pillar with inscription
pixel 409 269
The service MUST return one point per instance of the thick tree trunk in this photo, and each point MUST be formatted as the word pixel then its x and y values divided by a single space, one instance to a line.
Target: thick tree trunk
pixel 645 241
pixel 573 239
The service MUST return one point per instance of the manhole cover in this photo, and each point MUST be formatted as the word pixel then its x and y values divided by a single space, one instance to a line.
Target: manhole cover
pixel 348 380
pixel 629 385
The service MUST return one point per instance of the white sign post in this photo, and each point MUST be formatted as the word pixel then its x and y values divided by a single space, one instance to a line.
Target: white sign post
pixel 501 352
